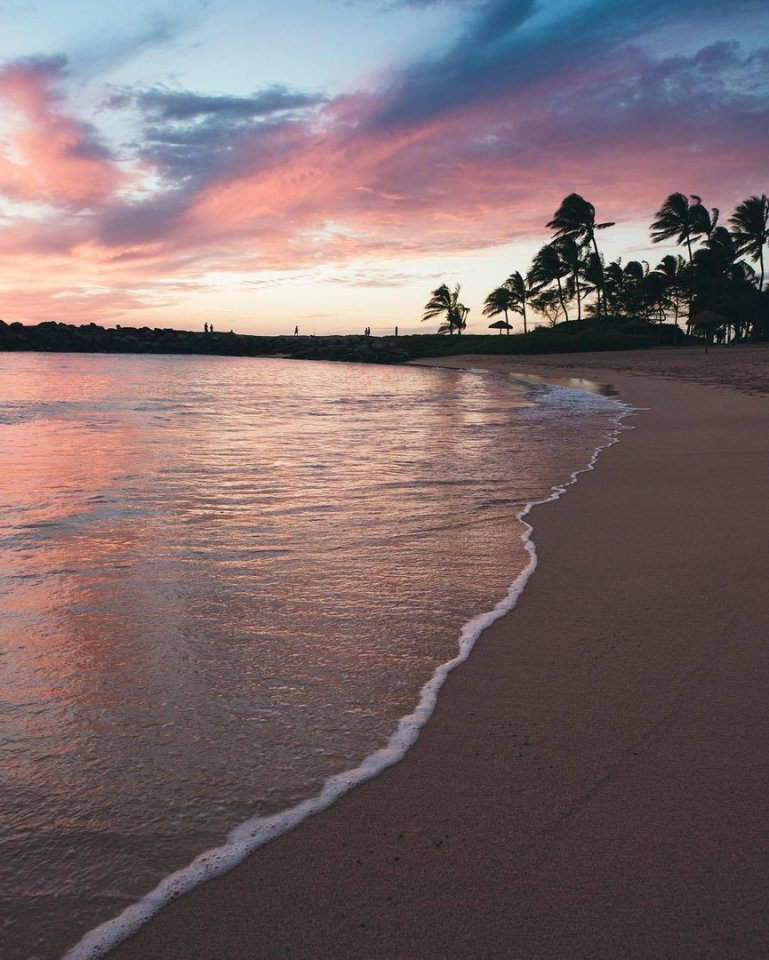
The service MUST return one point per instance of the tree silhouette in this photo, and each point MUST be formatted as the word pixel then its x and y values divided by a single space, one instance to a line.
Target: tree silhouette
pixel 683 220
pixel 572 258
pixel 675 271
pixel 723 282
pixel 575 218
pixel 655 296
pixel 679 218
pixel 717 278
pixel 500 300
pixel 521 289
pixel 720 257
pixel 548 268
pixel 445 303
pixel 593 275
pixel 751 230
pixel 546 303
pixel 623 286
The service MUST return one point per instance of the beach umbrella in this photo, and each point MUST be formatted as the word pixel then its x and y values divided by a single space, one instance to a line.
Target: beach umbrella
pixel 709 322
pixel 500 325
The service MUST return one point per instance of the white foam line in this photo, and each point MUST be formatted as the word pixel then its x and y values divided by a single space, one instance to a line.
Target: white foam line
pixel 257 831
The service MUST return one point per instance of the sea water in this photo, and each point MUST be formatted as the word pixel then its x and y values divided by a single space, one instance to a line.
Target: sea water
pixel 229 589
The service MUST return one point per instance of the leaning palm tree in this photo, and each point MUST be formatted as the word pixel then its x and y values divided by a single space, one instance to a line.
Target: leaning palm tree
pixel 445 303
pixel 575 218
pixel 500 300
pixel 572 257
pixel 522 290
pixel 683 220
pixel 548 268
pixel 751 229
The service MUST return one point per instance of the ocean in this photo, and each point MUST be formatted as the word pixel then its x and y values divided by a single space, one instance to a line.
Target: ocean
pixel 230 589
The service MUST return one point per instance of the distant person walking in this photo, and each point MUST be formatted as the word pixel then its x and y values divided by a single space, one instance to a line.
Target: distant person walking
pixel 296 330
pixel 205 328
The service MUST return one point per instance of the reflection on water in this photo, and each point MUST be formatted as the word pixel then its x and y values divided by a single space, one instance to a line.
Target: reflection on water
pixel 572 383
pixel 223 580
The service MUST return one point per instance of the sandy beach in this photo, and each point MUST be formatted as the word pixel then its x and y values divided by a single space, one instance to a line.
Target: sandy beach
pixel 593 781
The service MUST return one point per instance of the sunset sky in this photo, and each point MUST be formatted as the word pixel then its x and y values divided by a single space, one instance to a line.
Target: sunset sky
pixel 330 162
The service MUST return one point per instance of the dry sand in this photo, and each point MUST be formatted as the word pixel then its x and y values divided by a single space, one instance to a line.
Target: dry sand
pixel 593 782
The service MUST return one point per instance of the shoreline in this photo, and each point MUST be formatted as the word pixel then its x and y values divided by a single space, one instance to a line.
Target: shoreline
pixel 252 834
pixel 528 818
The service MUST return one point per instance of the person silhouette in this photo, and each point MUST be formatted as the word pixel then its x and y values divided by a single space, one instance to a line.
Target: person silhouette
pixel 205 328
pixel 296 330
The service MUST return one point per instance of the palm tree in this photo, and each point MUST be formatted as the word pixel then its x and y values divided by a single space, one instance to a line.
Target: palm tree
pixel 445 302
pixel 594 277
pixel 575 218
pixel 723 282
pixel 721 257
pixel 683 220
pixel 547 268
pixel 751 229
pixel 623 286
pixel 612 279
pixel 674 270
pixel 570 253
pixel 500 300
pixel 521 289
pixel 655 296
pixel 705 221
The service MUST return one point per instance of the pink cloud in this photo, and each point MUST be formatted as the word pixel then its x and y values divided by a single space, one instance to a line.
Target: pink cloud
pixel 55 158
pixel 356 180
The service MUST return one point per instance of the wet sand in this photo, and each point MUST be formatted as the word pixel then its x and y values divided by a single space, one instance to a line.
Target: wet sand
pixel 593 781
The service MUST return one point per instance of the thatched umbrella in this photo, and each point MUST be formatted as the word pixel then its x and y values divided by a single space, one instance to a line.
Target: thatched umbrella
pixel 500 325
pixel 709 322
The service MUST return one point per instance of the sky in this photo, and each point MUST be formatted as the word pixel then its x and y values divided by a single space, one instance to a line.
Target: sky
pixel 328 163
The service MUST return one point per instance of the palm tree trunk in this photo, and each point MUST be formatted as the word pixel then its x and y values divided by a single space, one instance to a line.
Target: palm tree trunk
pixel 579 295
pixel 560 297
pixel 599 290
pixel 691 289
pixel 523 305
